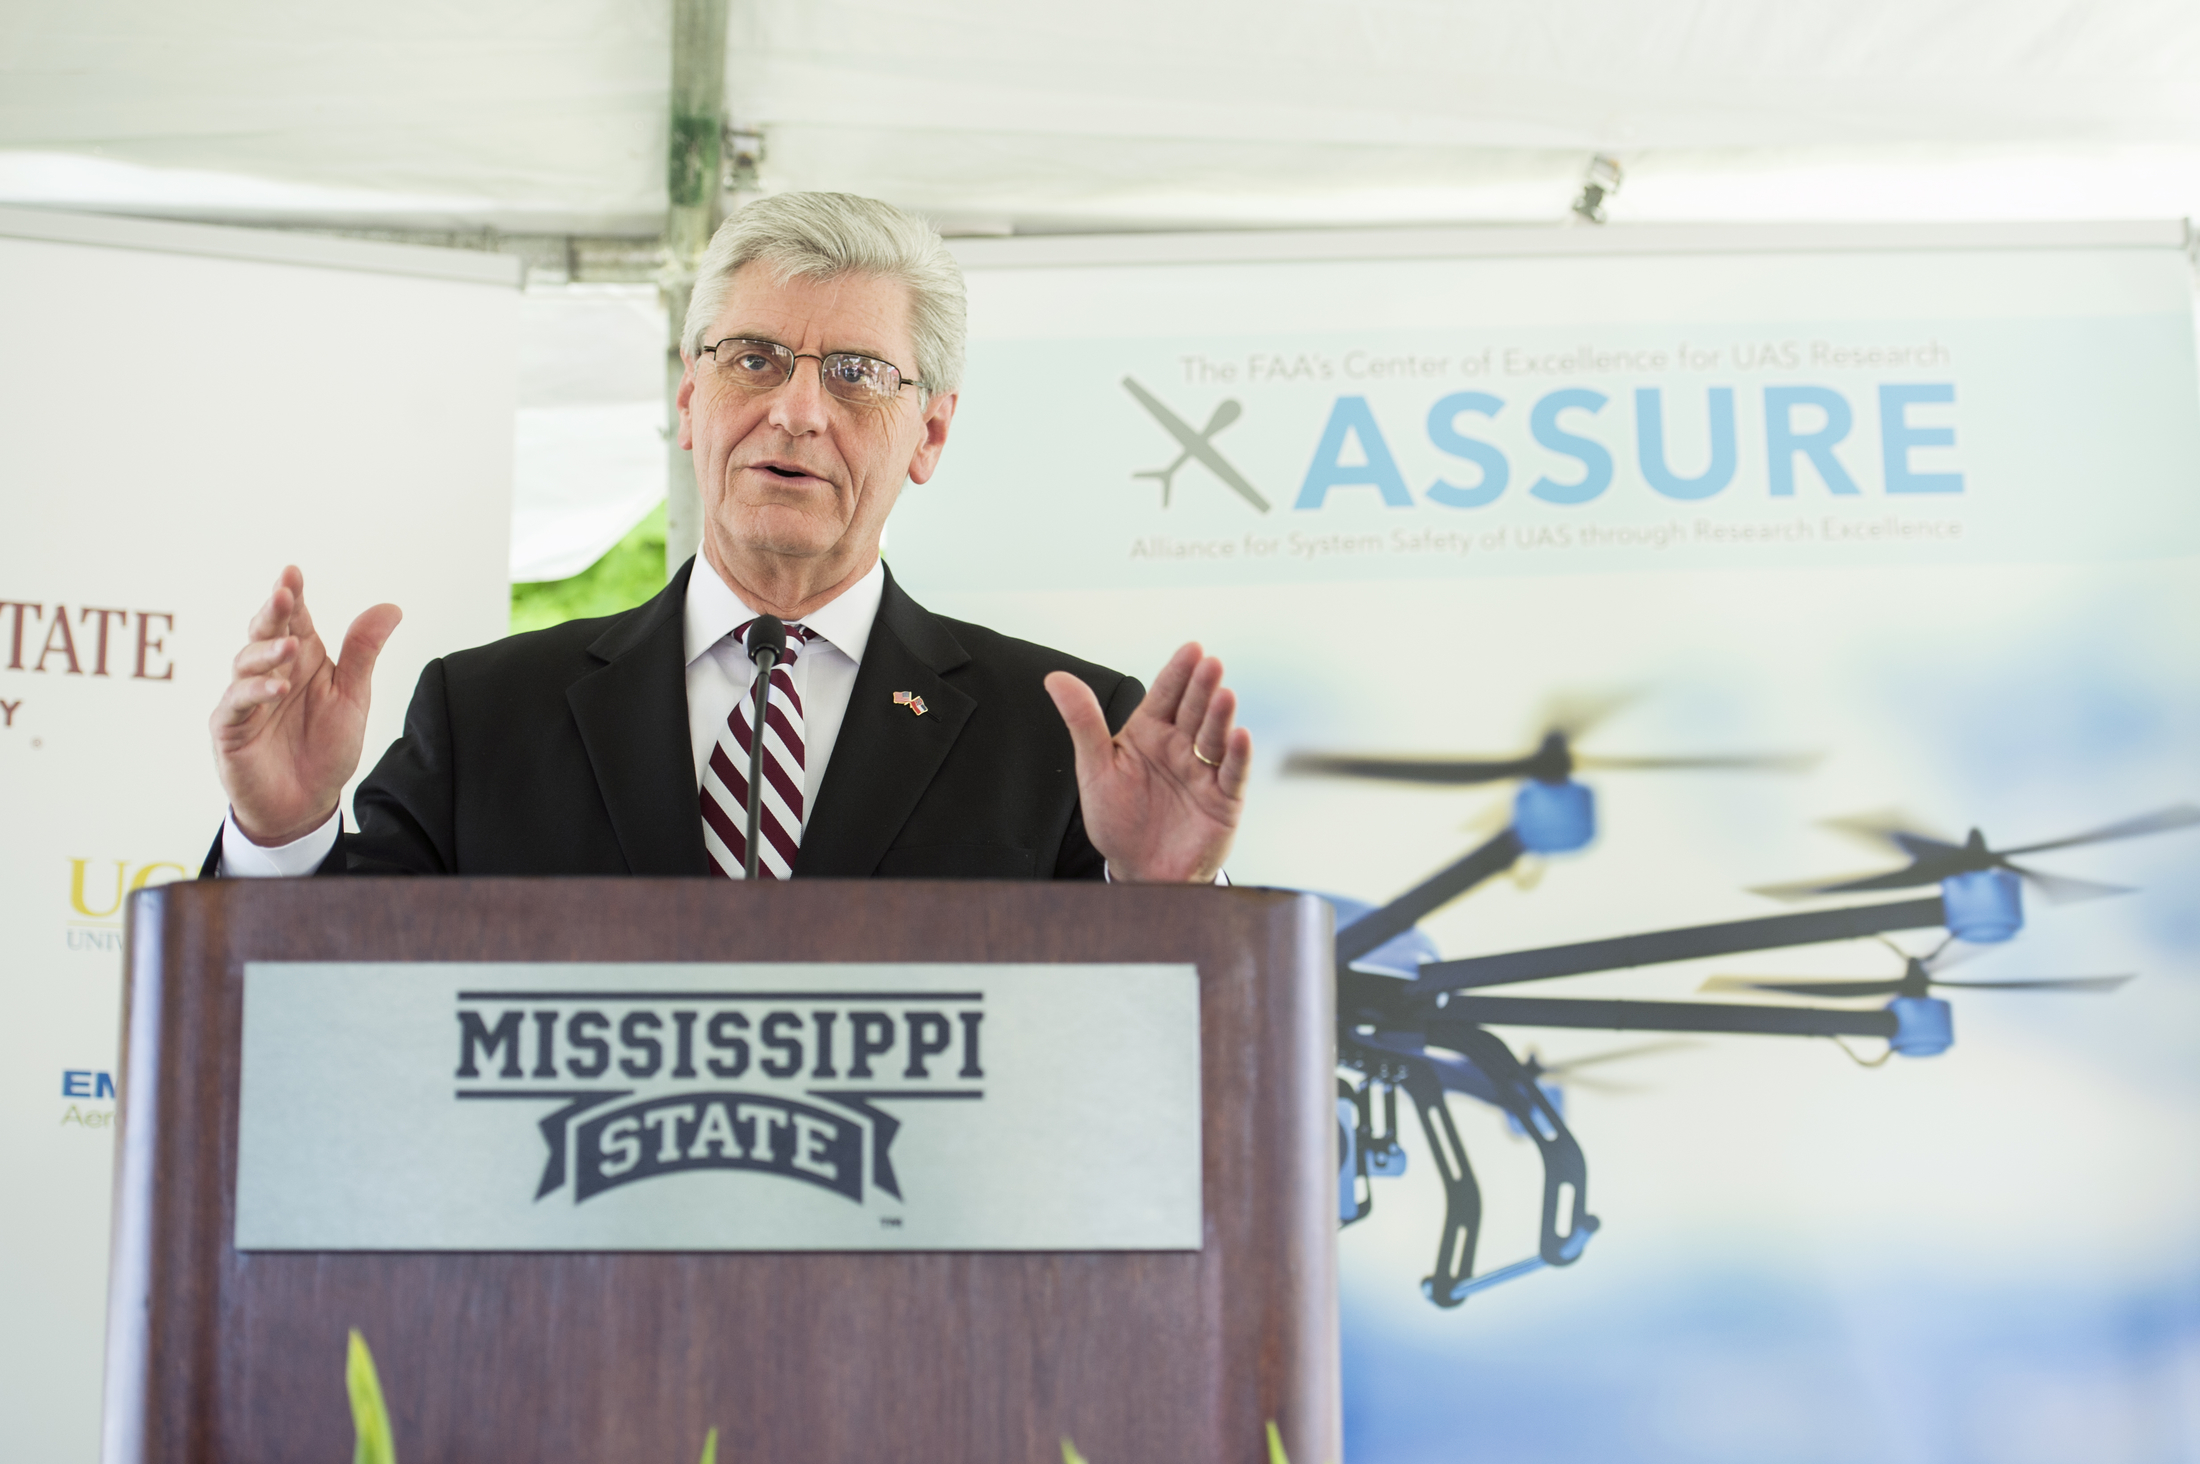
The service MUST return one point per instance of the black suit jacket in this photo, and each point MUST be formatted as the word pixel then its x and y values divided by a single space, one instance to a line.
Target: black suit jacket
pixel 566 751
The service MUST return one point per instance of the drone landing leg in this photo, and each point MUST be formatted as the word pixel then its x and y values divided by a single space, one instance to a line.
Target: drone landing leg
pixel 1462 1196
pixel 1567 1223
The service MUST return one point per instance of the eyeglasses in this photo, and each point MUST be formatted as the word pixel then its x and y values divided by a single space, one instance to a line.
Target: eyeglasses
pixel 761 366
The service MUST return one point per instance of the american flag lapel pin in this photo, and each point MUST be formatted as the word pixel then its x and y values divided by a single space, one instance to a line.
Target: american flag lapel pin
pixel 902 698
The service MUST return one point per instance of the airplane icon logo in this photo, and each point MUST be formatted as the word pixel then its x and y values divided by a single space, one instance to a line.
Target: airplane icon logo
pixel 1195 445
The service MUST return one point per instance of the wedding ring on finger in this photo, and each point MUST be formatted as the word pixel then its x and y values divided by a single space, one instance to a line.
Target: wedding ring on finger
pixel 1210 762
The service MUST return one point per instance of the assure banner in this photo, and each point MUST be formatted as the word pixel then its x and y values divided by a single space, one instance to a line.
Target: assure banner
pixel 1728 574
pixel 183 411
pixel 1280 421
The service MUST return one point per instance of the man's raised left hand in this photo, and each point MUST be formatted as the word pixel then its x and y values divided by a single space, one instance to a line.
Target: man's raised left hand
pixel 1163 796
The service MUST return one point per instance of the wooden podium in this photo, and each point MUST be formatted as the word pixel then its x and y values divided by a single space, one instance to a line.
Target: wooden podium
pixel 221 1357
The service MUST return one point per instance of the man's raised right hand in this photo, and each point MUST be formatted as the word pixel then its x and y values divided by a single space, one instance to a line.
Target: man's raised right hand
pixel 287 732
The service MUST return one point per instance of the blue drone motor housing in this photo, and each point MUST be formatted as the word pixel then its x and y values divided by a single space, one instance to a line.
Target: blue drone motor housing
pixel 1924 1026
pixel 1554 818
pixel 1983 906
pixel 1348 1159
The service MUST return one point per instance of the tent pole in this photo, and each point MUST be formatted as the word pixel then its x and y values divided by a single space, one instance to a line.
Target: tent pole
pixel 693 189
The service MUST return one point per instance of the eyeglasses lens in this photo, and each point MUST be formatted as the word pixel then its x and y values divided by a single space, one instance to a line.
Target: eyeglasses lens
pixel 860 378
pixel 765 366
pixel 755 365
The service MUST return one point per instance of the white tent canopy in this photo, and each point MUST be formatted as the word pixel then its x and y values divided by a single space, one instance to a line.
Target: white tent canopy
pixel 551 116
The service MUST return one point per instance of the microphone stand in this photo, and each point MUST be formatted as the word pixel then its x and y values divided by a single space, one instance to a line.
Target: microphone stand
pixel 767 642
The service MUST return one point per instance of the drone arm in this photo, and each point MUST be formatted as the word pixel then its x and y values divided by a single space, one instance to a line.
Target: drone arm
pixel 1657 947
pixel 1439 889
pixel 1665 1016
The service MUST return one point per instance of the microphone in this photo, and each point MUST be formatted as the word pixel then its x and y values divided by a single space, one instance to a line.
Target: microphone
pixel 767 643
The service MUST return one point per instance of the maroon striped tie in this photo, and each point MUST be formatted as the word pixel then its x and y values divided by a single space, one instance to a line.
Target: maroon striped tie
pixel 725 792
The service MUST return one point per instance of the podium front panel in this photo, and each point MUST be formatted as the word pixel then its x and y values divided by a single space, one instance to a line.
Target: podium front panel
pixel 486 1355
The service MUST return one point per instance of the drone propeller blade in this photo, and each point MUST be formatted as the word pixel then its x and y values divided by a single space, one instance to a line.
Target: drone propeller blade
pixel 1446 771
pixel 1921 873
pixel 1949 954
pixel 1896 828
pixel 1783 762
pixel 1839 989
pixel 1621 1054
pixel 2162 820
pixel 2061 889
pixel 1454 1074
pixel 1489 818
pixel 1801 889
pixel 2045 983
pixel 1802 988
pixel 1574 715
pixel 1605 1085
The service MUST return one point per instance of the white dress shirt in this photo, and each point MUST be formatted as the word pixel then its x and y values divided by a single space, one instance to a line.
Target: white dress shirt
pixel 719 674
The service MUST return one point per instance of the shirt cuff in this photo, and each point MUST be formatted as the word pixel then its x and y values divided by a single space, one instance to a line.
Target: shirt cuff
pixel 1222 876
pixel 243 859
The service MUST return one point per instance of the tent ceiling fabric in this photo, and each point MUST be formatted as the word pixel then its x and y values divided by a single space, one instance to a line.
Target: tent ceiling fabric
pixel 1577 74
pixel 992 183
pixel 543 115
pixel 550 117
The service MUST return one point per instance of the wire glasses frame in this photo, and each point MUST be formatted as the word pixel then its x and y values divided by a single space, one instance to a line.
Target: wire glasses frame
pixel 761 366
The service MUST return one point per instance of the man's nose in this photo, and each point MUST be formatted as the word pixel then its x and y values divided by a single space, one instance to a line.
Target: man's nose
pixel 798 406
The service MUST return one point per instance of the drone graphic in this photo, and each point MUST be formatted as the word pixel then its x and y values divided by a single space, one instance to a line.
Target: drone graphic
pixel 1983 889
pixel 1195 445
pixel 1407 1019
pixel 1553 813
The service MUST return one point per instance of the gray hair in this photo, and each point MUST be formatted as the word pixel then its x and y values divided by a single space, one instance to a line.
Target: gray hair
pixel 820 236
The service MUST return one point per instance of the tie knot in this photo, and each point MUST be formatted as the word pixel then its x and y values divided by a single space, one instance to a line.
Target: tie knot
pixel 797 635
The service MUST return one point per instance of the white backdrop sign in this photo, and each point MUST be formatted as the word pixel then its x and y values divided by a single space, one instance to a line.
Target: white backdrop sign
pixel 182 412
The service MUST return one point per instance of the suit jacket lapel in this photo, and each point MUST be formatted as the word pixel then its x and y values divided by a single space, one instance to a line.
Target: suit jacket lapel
pixel 633 718
pixel 886 755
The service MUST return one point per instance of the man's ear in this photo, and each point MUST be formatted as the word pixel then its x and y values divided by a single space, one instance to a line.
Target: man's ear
pixel 687 392
pixel 938 414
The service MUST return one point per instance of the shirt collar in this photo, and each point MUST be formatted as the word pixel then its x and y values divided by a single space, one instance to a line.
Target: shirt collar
pixel 713 612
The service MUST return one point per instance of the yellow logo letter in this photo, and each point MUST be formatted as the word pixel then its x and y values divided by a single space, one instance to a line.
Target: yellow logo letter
pixel 76 889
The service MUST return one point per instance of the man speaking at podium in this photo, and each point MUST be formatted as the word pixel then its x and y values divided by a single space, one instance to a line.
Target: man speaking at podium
pixel 824 350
